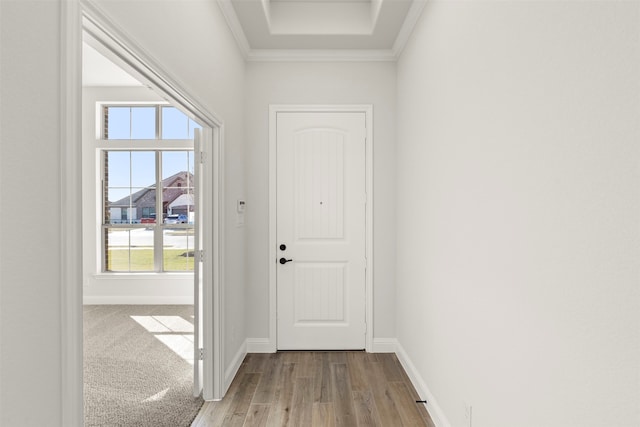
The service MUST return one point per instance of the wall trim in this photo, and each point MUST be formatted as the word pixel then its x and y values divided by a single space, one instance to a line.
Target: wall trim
pixel 407 27
pixel 137 300
pixel 233 367
pixel 435 411
pixel 70 226
pixel 260 345
pixel 384 345
pixel 320 55
pixel 234 25
pixel 368 111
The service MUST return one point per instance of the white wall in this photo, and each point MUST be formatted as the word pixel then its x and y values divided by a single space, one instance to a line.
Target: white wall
pixel 193 43
pixel 208 64
pixel 518 211
pixel 30 333
pixel 98 288
pixel 319 83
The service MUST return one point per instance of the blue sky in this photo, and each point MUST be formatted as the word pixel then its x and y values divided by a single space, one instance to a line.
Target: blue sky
pixel 129 171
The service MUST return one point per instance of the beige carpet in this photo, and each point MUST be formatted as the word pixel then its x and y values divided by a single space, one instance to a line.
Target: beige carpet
pixel 137 366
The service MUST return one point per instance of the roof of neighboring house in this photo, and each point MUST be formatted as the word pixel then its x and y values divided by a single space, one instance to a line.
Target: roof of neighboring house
pixel 170 193
pixel 182 200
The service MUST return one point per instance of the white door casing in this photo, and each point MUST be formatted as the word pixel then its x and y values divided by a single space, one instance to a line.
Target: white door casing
pixel 198 265
pixel 321 221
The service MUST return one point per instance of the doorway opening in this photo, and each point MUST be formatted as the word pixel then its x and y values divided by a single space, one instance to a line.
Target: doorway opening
pixel 84 22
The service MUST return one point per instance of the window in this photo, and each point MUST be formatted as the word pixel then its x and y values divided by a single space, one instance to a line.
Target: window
pixel 147 190
pixel 146 122
pixel 130 122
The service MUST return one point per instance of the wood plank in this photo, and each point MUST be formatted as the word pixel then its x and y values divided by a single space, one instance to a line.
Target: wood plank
pixel 304 366
pixel 390 364
pixel 337 357
pixel 373 357
pixel 356 361
pixel 322 379
pixel 302 406
pixel 380 387
pixel 406 405
pixel 290 356
pixel 259 362
pixel 365 407
pixel 257 415
pixel 342 395
pixel 280 413
pixel 323 415
pixel 237 411
pixel 266 391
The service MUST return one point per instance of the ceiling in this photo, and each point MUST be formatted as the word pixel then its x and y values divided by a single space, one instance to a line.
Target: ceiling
pixel 99 71
pixel 360 29
pixel 296 30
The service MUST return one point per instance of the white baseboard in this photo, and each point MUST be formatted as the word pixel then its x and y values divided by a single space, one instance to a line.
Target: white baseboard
pixel 232 369
pixel 260 345
pixel 437 416
pixel 137 300
pixel 384 345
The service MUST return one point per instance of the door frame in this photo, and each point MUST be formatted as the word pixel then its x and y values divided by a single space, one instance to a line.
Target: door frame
pixel 367 109
pixel 77 18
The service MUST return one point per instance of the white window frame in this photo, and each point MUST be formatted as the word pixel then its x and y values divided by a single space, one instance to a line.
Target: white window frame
pixel 102 146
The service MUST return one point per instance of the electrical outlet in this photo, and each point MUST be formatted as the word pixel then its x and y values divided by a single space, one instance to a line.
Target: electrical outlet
pixel 468 412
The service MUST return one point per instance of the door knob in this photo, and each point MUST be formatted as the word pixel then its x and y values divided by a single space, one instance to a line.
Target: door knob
pixel 284 261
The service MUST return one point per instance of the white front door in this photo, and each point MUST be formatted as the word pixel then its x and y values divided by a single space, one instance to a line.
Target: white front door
pixel 321 201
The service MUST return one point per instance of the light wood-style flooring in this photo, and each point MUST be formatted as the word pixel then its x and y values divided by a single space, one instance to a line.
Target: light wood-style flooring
pixel 303 389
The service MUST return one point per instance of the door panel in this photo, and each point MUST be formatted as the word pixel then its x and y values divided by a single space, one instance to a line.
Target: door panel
pixel 321 221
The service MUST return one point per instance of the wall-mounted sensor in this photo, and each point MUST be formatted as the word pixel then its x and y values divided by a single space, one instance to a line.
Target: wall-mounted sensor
pixel 240 206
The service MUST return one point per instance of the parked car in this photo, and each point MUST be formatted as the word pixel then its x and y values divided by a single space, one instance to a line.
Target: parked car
pixel 147 221
pixel 176 219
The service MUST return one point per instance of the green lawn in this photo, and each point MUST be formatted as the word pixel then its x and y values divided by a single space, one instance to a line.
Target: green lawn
pixel 142 260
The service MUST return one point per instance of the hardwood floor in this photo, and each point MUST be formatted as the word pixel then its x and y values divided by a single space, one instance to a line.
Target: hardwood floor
pixel 329 389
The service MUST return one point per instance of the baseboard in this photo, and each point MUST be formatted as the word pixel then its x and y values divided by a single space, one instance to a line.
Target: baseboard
pixel 260 345
pixel 436 413
pixel 264 345
pixel 137 300
pixel 384 345
pixel 233 367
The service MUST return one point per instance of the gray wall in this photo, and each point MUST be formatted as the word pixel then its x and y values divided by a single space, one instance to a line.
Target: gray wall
pixel 30 240
pixel 518 211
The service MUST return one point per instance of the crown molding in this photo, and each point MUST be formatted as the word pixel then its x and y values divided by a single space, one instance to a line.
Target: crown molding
pixel 320 55
pixel 234 25
pixel 410 21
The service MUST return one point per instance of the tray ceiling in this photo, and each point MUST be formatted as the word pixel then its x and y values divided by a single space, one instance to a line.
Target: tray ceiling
pixel 359 28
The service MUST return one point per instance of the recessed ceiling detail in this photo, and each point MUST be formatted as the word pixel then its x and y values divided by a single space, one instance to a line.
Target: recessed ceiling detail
pixel 357 29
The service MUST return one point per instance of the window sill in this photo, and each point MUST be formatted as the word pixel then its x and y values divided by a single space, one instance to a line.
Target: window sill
pixel 143 276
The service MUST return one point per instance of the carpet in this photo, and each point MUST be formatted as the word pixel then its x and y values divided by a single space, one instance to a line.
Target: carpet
pixel 138 367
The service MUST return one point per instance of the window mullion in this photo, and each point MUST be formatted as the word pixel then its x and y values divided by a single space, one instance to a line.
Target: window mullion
pixel 158 236
pixel 158 122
